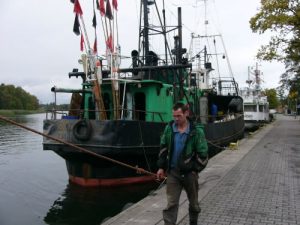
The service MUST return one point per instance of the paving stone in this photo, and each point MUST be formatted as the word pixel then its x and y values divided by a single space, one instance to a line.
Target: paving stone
pixel 259 184
pixel 263 187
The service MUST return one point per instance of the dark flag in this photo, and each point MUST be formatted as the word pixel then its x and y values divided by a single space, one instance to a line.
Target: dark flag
pixel 76 27
pixel 108 14
pixel 94 20
pixel 115 4
pixel 77 7
pixel 97 4
pixel 109 43
pixel 102 8
pixel 81 43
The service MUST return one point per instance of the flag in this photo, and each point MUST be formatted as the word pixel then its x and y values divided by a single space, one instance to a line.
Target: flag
pixel 81 43
pixel 108 14
pixel 77 8
pixel 94 20
pixel 109 43
pixel 76 27
pixel 97 4
pixel 115 4
pixel 95 46
pixel 102 8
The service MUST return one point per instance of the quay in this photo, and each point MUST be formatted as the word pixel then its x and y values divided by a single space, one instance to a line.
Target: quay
pixel 258 183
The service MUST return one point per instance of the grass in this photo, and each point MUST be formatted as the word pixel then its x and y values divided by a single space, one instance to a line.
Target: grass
pixel 14 112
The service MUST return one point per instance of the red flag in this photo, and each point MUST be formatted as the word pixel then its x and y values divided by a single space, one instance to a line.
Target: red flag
pixel 81 43
pixel 95 46
pixel 77 8
pixel 115 4
pixel 102 7
pixel 108 14
pixel 109 43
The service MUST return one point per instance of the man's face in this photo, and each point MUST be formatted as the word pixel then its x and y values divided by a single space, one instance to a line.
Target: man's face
pixel 179 116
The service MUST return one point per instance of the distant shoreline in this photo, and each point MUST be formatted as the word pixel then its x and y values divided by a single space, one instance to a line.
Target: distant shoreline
pixel 14 112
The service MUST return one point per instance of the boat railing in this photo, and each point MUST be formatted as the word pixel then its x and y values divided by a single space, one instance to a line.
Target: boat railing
pixel 225 85
pixel 80 113
pixel 55 113
pixel 217 118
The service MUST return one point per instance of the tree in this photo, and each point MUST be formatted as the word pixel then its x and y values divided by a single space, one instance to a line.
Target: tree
pixel 282 18
pixel 272 98
pixel 12 97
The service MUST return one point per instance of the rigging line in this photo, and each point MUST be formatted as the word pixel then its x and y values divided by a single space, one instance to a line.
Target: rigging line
pixel 163 29
pixel 95 25
pixel 152 193
pixel 117 29
pixel 78 148
pixel 103 27
pixel 217 140
pixel 140 29
pixel 227 58
pixel 84 31
pixel 142 139
pixel 86 49
pixel 106 31
pixel 217 60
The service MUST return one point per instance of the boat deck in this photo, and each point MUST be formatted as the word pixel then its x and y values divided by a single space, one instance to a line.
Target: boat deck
pixel 256 184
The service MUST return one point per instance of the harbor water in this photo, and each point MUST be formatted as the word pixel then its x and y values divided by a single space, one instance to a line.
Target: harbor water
pixel 34 186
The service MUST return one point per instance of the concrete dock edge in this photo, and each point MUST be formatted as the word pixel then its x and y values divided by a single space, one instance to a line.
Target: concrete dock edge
pixel 149 210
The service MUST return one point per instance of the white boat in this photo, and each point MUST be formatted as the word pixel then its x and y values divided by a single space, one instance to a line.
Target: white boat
pixel 256 105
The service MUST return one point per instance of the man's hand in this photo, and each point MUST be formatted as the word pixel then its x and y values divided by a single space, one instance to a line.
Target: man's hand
pixel 160 174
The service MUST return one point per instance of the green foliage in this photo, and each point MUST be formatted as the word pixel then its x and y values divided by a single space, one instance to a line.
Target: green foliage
pixel 272 98
pixel 12 97
pixel 282 18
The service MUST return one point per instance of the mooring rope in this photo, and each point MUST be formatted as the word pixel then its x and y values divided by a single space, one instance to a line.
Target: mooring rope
pixel 212 142
pixel 138 169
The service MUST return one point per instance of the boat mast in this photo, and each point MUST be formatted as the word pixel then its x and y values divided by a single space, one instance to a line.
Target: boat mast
pixel 146 33
pixel 164 32
pixel 257 74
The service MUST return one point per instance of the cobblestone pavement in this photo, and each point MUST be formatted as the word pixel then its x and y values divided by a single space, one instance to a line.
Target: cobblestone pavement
pixel 264 186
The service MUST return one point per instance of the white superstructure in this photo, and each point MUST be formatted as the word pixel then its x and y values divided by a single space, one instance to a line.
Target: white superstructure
pixel 256 105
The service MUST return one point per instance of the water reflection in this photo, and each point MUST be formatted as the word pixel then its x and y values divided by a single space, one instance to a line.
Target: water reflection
pixel 90 206
pixel 16 140
pixel 32 180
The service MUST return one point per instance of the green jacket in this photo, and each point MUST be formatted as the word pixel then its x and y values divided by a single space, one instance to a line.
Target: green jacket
pixel 194 157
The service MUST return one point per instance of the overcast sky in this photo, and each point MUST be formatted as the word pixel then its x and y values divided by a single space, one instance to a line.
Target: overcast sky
pixel 38 47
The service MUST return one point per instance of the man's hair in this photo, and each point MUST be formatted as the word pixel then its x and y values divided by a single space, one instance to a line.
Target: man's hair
pixel 180 105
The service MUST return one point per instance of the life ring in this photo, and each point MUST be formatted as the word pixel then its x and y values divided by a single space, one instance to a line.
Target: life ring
pixel 82 130
pixel 49 128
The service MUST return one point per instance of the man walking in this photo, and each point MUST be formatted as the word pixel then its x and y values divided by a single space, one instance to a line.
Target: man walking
pixel 182 156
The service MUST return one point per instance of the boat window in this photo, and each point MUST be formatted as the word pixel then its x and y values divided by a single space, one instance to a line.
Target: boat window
pixel 139 106
pixel 261 108
pixel 250 108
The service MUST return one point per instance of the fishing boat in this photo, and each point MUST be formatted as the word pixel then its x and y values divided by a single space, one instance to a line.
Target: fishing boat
pixel 256 105
pixel 120 113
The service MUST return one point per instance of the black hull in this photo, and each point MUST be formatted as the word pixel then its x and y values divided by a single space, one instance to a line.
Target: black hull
pixel 252 125
pixel 132 142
